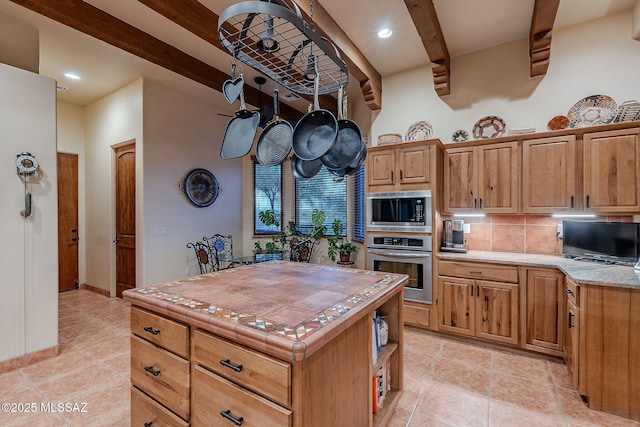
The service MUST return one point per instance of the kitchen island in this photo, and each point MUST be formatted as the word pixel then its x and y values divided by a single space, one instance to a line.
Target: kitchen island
pixel 269 344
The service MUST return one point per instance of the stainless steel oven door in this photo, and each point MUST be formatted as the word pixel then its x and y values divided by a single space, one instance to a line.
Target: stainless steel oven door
pixel 417 264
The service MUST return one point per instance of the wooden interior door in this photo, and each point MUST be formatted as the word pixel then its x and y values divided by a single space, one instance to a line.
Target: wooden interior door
pixel 67 222
pixel 125 218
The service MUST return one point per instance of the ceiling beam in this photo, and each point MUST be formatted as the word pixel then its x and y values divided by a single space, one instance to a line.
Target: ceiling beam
pixel 94 22
pixel 423 14
pixel 544 15
pixel 359 66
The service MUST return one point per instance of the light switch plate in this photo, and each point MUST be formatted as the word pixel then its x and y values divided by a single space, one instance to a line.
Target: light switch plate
pixel 161 231
pixel 559 233
pixel 466 228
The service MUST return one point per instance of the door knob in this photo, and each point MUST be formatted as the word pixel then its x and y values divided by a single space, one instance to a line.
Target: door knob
pixel 116 241
pixel 73 239
pixel 73 230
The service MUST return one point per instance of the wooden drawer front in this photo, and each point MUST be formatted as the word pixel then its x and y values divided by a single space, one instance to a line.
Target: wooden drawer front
pixel 499 273
pixel 571 289
pixel 161 331
pixel 146 411
pixel 214 394
pixel 263 374
pixel 171 385
pixel 416 315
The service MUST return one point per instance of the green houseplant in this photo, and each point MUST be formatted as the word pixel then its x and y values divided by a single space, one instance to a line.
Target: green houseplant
pixel 278 241
pixel 337 245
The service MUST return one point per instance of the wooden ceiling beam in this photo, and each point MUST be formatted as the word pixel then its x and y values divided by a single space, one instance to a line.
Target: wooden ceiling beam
pixel 544 15
pixel 92 21
pixel 359 66
pixel 423 14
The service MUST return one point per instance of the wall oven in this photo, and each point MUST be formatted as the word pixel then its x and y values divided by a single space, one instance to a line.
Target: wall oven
pixel 404 255
pixel 405 211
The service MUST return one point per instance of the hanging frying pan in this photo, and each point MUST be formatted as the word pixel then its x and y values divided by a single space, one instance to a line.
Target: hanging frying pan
pixel 241 131
pixel 353 166
pixel 275 141
pixel 315 133
pixel 348 140
pixel 305 169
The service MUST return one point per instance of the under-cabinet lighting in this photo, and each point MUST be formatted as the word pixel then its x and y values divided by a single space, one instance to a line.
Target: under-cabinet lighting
pixel 384 33
pixel 561 215
pixel 469 215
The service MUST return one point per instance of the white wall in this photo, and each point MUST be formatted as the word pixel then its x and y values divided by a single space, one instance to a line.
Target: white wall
pixel 596 57
pixel 182 133
pixel 29 249
pixel 70 126
pixel 110 121
pixel 19 44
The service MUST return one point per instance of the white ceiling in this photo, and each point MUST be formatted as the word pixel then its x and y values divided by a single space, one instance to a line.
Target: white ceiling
pixel 467 25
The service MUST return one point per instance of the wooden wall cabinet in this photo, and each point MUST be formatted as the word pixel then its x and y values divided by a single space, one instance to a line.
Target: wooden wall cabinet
pixel 543 311
pixel 483 177
pixel 478 300
pixel 549 175
pixel 612 171
pixel 399 167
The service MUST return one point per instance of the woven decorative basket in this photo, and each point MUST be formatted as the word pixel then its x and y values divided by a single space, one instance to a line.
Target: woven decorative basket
pixel 389 138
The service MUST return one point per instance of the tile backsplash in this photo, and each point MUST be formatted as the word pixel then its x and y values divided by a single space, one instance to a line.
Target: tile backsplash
pixel 529 234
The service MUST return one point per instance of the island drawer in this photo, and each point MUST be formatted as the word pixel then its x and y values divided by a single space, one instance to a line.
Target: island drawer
pixel 146 411
pixel 217 400
pixel 161 331
pixel 162 375
pixel 471 270
pixel 263 374
pixel 572 290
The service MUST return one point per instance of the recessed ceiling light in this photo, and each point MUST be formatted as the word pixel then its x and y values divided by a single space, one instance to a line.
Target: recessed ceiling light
pixel 72 76
pixel 384 33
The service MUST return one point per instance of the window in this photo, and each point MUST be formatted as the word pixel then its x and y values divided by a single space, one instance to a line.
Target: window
pixel 323 193
pixel 267 194
pixel 357 191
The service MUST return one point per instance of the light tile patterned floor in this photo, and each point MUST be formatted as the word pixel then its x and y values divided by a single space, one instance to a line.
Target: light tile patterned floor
pixel 447 383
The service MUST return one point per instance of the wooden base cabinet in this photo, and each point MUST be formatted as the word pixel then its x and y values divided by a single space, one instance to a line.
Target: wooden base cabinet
pixel 572 329
pixel 485 309
pixel 543 311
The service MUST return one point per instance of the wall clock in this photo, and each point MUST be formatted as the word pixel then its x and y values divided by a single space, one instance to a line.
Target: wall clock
pixel 201 187
pixel 26 164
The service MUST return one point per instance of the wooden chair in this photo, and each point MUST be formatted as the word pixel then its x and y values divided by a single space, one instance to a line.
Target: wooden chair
pixel 300 250
pixel 206 261
pixel 221 247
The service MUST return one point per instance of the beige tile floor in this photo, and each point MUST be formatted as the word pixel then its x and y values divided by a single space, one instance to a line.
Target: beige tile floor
pixel 447 383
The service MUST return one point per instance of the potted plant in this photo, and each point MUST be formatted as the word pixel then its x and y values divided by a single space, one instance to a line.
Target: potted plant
pixel 268 218
pixel 337 245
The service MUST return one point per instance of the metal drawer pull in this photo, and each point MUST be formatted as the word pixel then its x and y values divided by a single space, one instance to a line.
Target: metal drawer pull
pixel 570 325
pixel 228 364
pixel 569 291
pixel 152 331
pixel 149 424
pixel 475 271
pixel 227 414
pixel 151 371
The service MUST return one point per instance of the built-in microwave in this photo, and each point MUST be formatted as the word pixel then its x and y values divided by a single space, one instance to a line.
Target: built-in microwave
pixel 399 211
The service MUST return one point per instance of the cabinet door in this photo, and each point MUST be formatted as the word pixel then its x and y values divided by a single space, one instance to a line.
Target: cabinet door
pixel 456 308
pixel 459 181
pixel 549 174
pixel 611 169
pixel 413 163
pixel 498 177
pixel 544 311
pixel 380 166
pixel 571 340
pixel 497 311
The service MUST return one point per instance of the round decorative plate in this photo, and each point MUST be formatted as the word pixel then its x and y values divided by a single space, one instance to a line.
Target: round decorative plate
pixel 558 123
pixel 419 131
pixel 201 187
pixel 489 127
pixel 460 135
pixel 592 111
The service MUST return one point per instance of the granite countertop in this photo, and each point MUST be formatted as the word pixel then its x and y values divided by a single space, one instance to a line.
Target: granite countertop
pixel 286 309
pixel 581 272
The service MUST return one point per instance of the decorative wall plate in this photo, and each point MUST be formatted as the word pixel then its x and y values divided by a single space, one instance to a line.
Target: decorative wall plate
pixel 592 111
pixel 489 127
pixel 200 187
pixel 558 123
pixel 419 131
pixel 460 135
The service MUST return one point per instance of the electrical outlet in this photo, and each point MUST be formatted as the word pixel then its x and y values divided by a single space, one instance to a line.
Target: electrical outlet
pixel 559 232
pixel 466 228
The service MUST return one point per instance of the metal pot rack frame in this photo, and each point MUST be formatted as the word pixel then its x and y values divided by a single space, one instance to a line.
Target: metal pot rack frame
pixel 243 25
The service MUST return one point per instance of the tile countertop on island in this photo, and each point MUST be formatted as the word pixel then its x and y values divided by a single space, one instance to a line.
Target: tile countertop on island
pixel 285 309
pixel 581 272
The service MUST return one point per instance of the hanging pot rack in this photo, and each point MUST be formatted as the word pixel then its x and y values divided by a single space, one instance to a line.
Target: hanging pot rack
pixel 275 40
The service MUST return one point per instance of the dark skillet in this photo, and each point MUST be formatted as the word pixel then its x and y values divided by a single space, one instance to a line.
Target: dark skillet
pixel 348 140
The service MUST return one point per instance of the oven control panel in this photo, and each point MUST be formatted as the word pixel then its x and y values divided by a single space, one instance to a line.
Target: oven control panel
pixel 398 242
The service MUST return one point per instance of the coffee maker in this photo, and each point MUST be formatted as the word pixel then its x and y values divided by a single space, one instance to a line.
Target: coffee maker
pixel 453 236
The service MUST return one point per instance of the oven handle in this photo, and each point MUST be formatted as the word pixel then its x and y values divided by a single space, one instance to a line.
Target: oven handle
pixel 400 254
